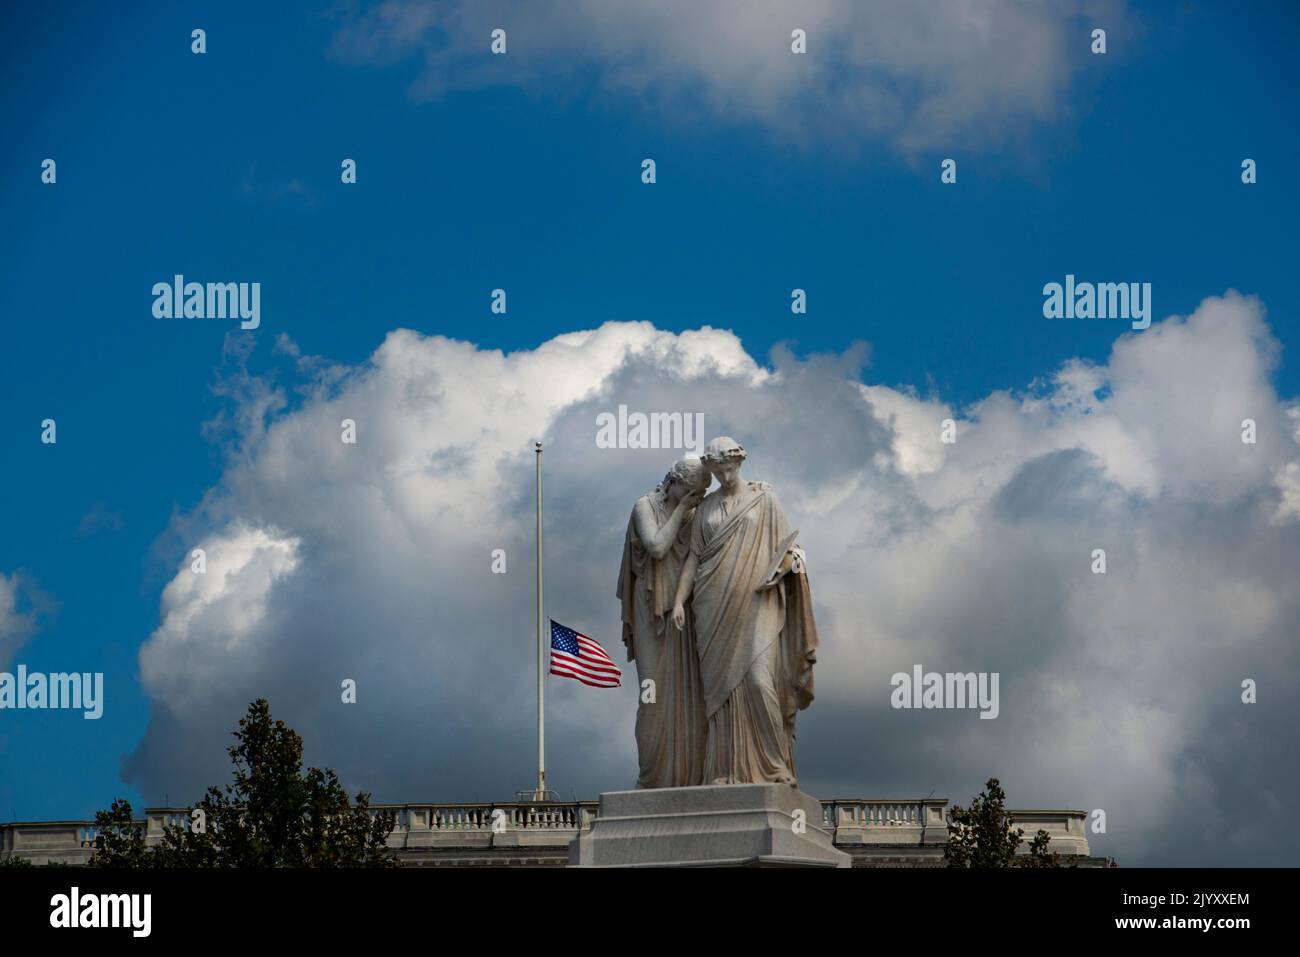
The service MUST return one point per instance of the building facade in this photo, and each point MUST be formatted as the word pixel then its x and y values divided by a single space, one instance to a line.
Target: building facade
pixel 537 833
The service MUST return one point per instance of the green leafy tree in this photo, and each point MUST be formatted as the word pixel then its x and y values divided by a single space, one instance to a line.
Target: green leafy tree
pixel 119 839
pixel 985 835
pixel 272 815
pixel 1038 855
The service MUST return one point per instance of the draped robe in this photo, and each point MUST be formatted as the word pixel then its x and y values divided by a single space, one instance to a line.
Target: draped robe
pixel 669 731
pixel 756 648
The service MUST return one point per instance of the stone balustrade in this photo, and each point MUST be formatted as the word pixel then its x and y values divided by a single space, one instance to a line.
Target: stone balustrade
pixel 904 833
pixel 504 824
pixel 863 822
pixel 48 842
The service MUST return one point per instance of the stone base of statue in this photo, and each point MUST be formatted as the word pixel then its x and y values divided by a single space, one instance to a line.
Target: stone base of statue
pixel 732 825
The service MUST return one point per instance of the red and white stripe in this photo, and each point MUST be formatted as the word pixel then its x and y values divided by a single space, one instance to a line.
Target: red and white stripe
pixel 593 666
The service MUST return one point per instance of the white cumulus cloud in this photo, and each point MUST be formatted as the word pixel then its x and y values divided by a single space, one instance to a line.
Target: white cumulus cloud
pixel 372 562
pixel 914 74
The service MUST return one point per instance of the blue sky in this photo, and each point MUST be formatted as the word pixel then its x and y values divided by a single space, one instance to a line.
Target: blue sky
pixel 226 166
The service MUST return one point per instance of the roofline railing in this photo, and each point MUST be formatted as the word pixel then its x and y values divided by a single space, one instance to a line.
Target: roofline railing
pixel 919 823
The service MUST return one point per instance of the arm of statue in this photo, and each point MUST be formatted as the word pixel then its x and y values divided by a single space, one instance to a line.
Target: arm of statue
pixel 657 541
pixel 684 585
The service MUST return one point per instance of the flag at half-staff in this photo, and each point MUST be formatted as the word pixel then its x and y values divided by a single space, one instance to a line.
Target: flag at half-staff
pixel 574 655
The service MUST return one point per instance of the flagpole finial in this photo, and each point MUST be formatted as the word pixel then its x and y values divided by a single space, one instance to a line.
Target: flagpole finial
pixel 538 445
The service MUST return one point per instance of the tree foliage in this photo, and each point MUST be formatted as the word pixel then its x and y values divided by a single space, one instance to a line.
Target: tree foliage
pixel 985 835
pixel 271 815
pixel 119 839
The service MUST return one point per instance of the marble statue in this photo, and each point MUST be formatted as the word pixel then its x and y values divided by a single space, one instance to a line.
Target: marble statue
pixel 742 593
pixel 718 615
pixel 670 717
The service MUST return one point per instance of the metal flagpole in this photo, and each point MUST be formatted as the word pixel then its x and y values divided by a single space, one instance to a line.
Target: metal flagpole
pixel 541 655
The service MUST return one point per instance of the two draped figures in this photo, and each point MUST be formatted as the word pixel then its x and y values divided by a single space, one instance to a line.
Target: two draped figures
pixel 718 617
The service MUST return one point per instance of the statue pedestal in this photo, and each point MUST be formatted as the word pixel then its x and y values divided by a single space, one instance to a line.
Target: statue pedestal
pixel 731 825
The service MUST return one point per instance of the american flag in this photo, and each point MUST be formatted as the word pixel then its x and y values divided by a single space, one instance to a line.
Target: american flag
pixel 577 656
